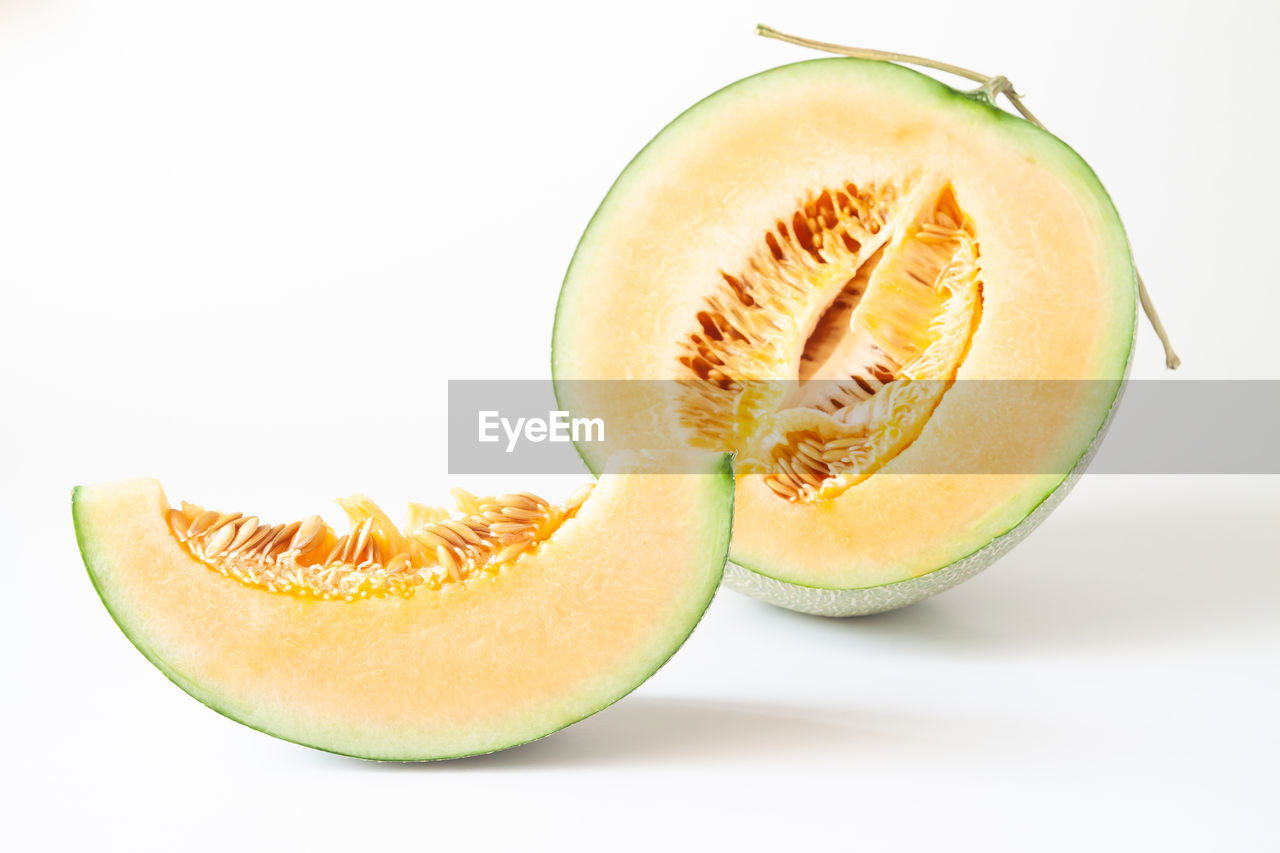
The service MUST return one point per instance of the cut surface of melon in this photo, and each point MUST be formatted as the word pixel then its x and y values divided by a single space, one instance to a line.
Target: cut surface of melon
pixel 836 263
pixel 373 646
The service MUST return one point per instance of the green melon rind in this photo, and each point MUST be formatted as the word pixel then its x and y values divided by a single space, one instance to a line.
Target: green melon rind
pixel 910 83
pixel 722 492
pixel 757 582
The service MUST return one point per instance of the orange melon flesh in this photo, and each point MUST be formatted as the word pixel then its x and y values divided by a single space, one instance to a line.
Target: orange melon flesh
pixel 1058 303
pixel 473 667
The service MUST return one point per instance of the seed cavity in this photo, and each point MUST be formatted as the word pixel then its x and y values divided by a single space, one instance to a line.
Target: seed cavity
pixel 374 558
pixel 824 356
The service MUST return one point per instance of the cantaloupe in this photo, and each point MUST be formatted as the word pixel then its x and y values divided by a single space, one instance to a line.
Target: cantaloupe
pixel 853 276
pixel 459 634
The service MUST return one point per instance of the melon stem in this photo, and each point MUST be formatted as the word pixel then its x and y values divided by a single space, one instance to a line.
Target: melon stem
pixel 990 89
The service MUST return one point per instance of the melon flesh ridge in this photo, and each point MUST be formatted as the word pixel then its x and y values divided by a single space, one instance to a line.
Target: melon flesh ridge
pixel 879 598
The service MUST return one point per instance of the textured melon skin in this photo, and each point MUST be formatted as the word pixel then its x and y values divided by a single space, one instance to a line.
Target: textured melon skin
pixel 94 552
pixel 756 580
pixel 881 599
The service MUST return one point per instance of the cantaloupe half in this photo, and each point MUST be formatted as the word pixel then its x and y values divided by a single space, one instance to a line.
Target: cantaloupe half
pixel 458 634
pixel 841 267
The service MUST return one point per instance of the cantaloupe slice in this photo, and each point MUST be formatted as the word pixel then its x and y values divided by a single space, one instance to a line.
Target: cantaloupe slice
pixel 456 635
pixel 836 264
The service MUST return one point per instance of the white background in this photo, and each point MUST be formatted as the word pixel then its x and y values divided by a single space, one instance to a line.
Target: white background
pixel 242 247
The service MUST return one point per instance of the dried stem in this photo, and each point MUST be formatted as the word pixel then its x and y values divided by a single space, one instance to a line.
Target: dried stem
pixel 1171 359
pixel 991 88
pixel 868 53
